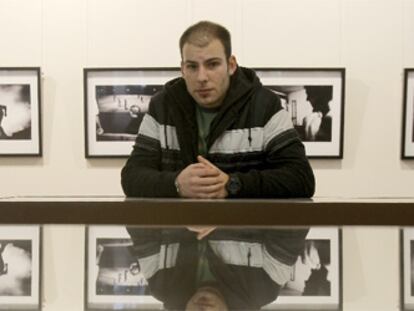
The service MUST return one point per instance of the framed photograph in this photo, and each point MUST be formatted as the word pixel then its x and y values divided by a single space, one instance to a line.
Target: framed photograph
pixel 116 100
pixel 407 151
pixel 20 126
pixel 407 268
pixel 316 283
pixel 113 278
pixel 20 252
pixel 314 98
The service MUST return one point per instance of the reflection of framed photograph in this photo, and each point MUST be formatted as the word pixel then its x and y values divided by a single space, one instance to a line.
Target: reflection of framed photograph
pixel 316 282
pixel 314 97
pixel 407 269
pixel 20 133
pixel 113 278
pixel 20 267
pixel 116 100
pixel 408 115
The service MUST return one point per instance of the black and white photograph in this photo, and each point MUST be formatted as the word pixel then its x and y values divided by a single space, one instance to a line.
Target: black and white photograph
pixel 115 103
pixel 316 280
pixel 408 115
pixel 407 268
pixel 114 280
pixel 314 99
pixel 19 268
pixel 20 112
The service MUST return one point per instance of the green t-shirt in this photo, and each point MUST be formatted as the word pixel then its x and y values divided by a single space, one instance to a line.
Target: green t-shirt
pixel 204 118
pixel 204 274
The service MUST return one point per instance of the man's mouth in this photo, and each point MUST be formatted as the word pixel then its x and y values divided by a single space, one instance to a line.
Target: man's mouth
pixel 203 92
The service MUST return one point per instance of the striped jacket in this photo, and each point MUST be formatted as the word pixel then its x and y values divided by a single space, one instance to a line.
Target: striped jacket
pixel 252 137
pixel 249 265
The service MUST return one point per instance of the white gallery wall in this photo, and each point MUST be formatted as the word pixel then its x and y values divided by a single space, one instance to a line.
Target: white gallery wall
pixel 372 39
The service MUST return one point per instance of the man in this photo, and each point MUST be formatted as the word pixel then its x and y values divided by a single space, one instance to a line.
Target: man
pixel 229 269
pixel 216 132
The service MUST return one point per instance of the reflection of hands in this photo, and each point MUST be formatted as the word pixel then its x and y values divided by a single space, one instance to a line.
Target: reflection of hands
pixel 202 231
pixel 202 180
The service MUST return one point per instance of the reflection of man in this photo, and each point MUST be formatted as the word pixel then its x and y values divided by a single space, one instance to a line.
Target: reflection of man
pixel 318 124
pixel 311 272
pixel 216 132
pixel 225 270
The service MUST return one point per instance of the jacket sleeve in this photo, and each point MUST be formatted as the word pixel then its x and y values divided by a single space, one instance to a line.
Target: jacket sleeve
pixel 142 175
pixel 282 247
pixel 286 171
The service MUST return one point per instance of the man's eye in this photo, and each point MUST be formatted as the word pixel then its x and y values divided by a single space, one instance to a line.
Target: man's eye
pixel 191 67
pixel 213 64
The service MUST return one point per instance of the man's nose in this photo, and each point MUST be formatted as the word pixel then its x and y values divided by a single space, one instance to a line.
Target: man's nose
pixel 202 74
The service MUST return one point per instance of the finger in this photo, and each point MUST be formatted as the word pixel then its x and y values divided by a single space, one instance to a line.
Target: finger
pixel 203 160
pixel 195 229
pixel 206 181
pixel 208 190
pixel 206 172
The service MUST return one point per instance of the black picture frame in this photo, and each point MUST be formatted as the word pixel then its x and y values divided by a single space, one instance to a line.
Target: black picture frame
pixel 407 268
pixel 407 144
pixel 20 271
pixel 115 100
pixel 315 100
pixel 20 111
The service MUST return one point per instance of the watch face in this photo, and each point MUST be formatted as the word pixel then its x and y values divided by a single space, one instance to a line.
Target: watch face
pixel 233 185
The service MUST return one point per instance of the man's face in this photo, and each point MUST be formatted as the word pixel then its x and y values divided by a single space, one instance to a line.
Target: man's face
pixel 206 299
pixel 207 72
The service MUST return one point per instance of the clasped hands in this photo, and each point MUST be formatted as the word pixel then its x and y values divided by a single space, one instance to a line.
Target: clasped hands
pixel 202 180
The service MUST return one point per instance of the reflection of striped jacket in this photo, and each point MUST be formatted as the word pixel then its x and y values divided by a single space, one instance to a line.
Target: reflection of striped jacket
pixel 251 136
pixel 249 265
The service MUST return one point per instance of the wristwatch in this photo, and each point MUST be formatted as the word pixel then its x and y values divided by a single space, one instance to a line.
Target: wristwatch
pixel 177 187
pixel 233 185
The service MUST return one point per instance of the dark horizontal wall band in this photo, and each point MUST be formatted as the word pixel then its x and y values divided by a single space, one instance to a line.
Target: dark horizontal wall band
pixel 223 213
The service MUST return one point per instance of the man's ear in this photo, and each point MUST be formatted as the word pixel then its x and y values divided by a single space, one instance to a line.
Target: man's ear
pixel 232 64
pixel 182 68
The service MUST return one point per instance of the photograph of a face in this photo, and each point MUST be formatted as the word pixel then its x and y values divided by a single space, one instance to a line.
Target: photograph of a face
pixel 314 99
pixel 19 268
pixel 15 118
pixel 116 100
pixel 20 111
pixel 114 278
pixel 407 145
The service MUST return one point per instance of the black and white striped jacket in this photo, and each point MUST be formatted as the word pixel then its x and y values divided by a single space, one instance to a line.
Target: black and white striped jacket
pixel 252 136
pixel 249 265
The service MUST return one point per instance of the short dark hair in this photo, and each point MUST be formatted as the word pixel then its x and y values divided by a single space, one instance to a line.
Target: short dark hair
pixel 201 34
